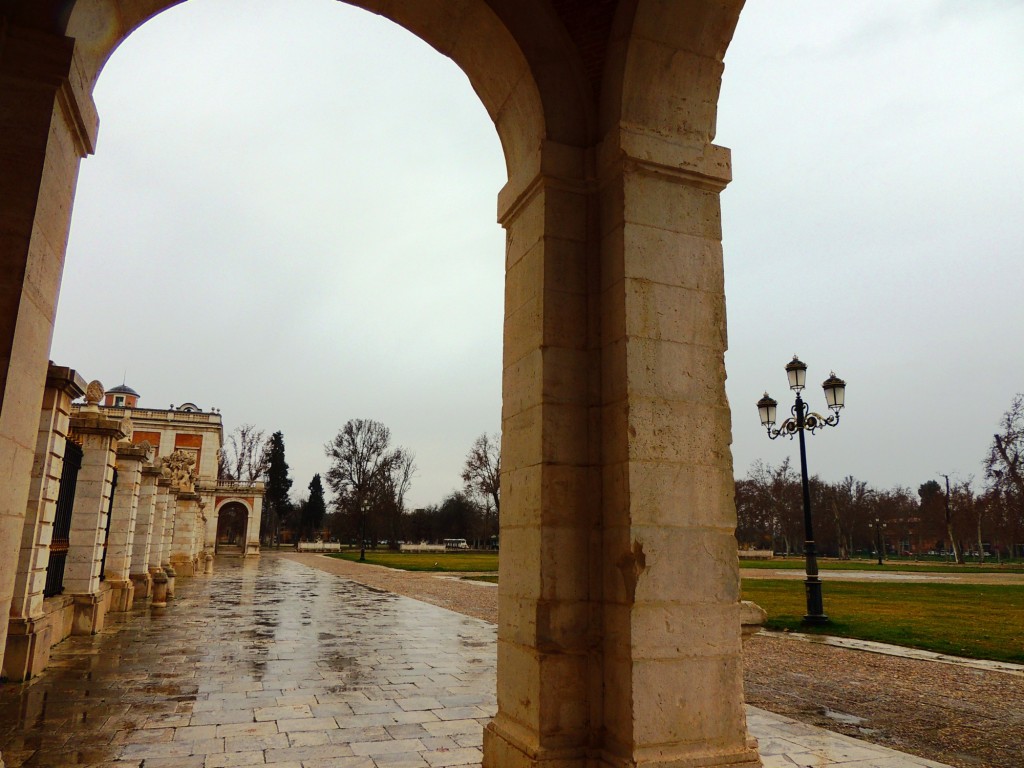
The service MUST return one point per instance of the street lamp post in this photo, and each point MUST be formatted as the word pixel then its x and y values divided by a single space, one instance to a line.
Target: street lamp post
pixel 880 540
pixel 804 420
pixel 362 532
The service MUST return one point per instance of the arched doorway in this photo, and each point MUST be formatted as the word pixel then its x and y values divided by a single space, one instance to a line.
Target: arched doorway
pixel 619 614
pixel 232 527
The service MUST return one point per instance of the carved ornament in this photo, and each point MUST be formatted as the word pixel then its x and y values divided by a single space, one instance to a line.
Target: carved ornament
pixel 180 469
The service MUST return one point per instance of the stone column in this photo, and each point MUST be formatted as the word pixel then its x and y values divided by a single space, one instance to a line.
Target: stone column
pixel 210 524
pixel 142 541
pixel 48 124
pixel 171 521
pixel 30 634
pixel 161 521
pixel 183 541
pixel 117 570
pixel 252 530
pixel 99 436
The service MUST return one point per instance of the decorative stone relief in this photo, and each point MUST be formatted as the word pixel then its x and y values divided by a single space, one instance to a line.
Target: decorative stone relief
pixel 180 469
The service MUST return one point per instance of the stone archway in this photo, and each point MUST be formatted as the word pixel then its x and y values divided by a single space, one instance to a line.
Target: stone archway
pixel 232 526
pixel 619 637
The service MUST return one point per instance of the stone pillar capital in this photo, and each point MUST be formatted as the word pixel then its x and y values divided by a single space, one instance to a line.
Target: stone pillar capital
pixel 127 452
pixel 97 424
pixel 557 166
pixel 52 62
pixel 65 380
pixel 673 158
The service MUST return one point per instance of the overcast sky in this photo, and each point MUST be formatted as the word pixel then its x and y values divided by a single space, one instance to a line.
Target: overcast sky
pixel 296 224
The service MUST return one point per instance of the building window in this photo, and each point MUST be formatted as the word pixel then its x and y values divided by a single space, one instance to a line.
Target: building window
pixel 118 400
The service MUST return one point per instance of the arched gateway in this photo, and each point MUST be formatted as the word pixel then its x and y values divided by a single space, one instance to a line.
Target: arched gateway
pixel 619 637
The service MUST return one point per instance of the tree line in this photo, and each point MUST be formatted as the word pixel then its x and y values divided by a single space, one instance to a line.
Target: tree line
pixel 369 479
pixel 960 517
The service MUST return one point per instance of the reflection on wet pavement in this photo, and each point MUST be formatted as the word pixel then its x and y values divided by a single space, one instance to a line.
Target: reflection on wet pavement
pixel 266 661
pixel 272 662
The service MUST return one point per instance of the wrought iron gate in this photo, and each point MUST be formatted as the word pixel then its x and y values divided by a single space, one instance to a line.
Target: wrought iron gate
pixel 62 521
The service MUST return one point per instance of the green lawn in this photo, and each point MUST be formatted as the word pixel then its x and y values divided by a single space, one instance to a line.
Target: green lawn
pixel 460 562
pixel 978 621
pixel 797 563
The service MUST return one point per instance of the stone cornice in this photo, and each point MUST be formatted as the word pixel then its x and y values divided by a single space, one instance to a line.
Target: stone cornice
pixel 129 452
pixel 97 424
pixel 65 380
pixel 52 62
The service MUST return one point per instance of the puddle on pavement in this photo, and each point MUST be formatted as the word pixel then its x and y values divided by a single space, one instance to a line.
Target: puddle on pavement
pixel 842 717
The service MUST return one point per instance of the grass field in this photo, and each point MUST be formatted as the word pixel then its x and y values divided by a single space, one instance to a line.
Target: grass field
pixel 797 563
pixel 458 562
pixel 978 621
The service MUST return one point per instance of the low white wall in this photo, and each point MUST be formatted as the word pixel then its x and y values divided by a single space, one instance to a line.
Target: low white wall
pixel 318 546
pixel 423 548
pixel 755 554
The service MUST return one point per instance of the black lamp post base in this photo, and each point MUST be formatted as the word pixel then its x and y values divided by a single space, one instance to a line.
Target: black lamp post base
pixel 815 609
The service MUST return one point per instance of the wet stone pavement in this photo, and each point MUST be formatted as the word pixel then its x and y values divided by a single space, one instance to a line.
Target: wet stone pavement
pixel 282 663
pixel 258 664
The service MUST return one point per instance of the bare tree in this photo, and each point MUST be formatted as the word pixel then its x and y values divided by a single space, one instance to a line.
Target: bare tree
pixel 1004 467
pixel 481 474
pixel 247 455
pixel 367 475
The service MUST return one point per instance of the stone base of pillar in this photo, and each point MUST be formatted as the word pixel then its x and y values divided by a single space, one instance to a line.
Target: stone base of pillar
pixel 171 574
pixel 143 585
pixel 503 750
pixel 252 549
pixel 208 568
pixel 122 594
pixel 159 595
pixel 28 646
pixel 90 611
pixel 183 566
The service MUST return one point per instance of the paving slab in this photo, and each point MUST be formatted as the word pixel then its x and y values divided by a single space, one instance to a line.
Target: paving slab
pixel 270 662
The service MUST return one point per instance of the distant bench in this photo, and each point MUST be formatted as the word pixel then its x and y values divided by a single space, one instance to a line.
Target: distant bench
pixel 755 554
pixel 318 546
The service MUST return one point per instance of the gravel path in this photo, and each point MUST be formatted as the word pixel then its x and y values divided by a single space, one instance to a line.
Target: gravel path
pixel 964 717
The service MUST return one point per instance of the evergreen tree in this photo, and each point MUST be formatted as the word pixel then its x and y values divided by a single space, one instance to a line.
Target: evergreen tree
pixel 276 504
pixel 315 509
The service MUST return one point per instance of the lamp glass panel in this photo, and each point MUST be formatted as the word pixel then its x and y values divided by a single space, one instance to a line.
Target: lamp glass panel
pixel 797 377
pixel 767 413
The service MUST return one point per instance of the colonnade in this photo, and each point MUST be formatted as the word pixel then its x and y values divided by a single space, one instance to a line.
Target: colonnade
pixel 116 528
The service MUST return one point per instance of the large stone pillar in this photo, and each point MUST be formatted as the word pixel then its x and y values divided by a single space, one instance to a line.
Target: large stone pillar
pixel 117 569
pixel 98 436
pixel 183 542
pixel 30 633
pixel 142 541
pixel 550 479
pixel 672 674
pixel 47 124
